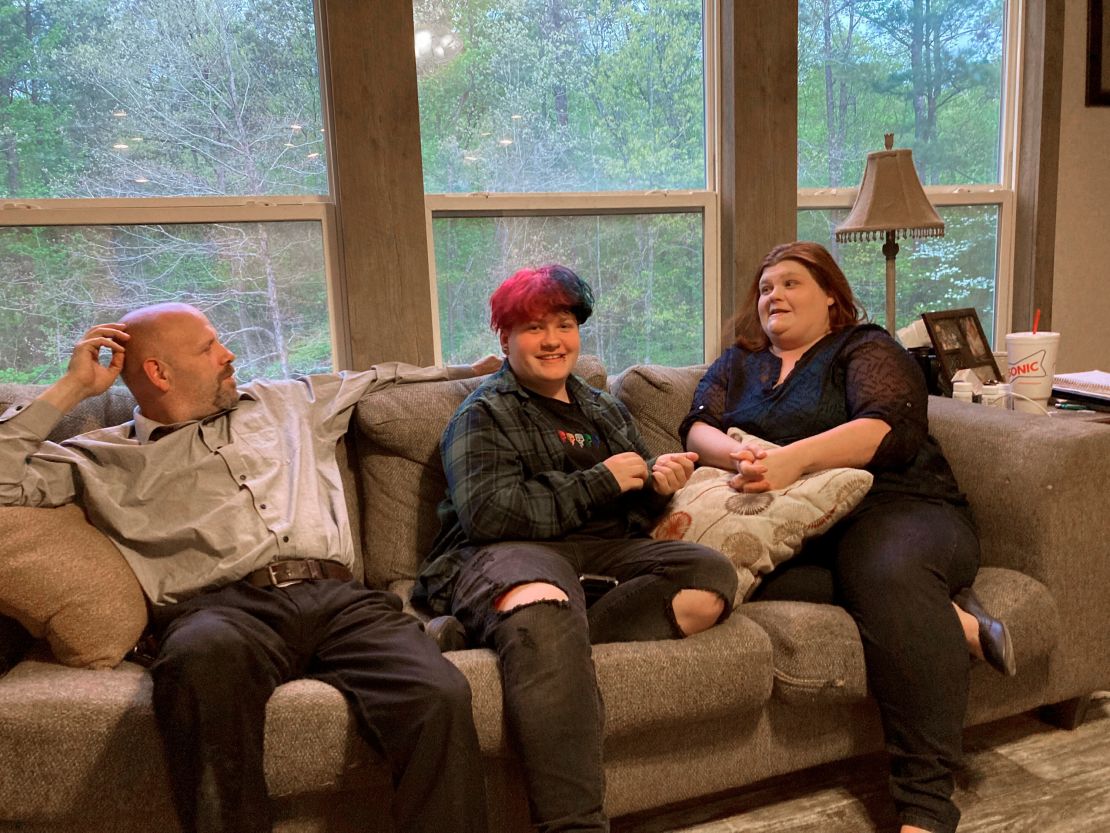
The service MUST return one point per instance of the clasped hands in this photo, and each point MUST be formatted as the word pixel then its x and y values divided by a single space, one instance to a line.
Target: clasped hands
pixel 667 475
pixel 762 469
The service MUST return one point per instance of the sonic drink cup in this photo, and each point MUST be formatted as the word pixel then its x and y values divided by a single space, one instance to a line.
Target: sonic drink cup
pixel 1032 361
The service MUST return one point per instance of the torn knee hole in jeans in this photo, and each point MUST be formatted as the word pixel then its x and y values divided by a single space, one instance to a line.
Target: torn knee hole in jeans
pixel 504 614
pixel 500 595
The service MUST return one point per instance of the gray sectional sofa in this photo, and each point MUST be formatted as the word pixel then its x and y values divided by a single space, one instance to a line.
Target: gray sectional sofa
pixel 777 688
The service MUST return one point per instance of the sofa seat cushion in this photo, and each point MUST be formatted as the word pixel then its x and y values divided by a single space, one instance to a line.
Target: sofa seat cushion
pixel 647 685
pixel 87 740
pixel 818 655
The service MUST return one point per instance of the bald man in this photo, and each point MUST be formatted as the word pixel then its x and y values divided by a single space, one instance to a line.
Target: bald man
pixel 227 503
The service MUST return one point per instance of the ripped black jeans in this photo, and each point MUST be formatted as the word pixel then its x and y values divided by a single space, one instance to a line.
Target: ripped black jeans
pixel 550 690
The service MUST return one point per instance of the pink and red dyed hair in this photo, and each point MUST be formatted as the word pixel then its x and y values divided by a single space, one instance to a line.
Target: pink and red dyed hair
pixel 529 294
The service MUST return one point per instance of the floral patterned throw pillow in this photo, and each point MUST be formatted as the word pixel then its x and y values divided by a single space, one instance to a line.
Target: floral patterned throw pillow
pixel 759 531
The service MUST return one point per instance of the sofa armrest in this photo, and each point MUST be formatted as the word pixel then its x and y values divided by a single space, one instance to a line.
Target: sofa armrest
pixel 1038 489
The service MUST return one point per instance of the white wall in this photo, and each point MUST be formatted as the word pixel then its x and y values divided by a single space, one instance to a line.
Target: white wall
pixel 1081 279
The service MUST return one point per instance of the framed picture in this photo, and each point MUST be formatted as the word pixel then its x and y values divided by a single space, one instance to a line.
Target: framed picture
pixel 960 344
pixel 1098 54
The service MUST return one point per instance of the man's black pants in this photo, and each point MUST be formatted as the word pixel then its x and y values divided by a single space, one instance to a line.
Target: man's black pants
pixel 223 653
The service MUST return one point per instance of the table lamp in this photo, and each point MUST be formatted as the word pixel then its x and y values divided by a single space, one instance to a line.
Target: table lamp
pixel 891 203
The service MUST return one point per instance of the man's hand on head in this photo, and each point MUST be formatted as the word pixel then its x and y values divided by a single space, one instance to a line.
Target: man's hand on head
pixel 86 376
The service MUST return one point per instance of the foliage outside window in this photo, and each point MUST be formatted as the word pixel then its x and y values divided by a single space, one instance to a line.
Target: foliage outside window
pixel 932 73
pixel 948 272
pixel 228 270
pixel 176 105
pixel 572 97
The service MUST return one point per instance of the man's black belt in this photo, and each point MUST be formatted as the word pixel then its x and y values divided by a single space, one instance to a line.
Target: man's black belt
pixel 296 570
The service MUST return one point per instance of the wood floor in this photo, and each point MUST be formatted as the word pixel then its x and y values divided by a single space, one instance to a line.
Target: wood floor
pixel 1019 776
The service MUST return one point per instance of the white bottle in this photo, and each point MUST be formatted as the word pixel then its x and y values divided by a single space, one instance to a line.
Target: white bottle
pixel 962 391
pixel 998 396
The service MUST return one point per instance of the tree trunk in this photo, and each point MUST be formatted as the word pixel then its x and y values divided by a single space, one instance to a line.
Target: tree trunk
pixel 273 305
pixel 917 71
pixel 831 130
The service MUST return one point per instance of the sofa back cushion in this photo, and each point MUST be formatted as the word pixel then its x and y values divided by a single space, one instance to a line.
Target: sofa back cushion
pixel 659 399
pixel 64 581
pixel 401 480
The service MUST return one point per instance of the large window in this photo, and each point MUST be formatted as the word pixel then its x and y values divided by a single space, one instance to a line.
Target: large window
pixel 572 131
pixel 162 149
pixel 940 76
pixel 526 103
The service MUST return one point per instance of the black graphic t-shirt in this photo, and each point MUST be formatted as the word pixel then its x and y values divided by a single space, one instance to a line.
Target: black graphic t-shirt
pixel 585 446
pixel 856 372
pixel 578 435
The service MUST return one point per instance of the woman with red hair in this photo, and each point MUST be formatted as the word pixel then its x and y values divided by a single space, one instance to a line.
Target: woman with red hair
pixel 549 484
pixel 830 390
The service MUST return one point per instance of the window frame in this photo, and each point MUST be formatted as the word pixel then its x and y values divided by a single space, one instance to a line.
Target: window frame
pixel 377 284
pixel 692 201
pixel 1003 193
pixel 142 211
pixel 244 208
pixel 610 203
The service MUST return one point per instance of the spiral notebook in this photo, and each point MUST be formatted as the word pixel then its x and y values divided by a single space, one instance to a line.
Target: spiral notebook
pixel 1092 383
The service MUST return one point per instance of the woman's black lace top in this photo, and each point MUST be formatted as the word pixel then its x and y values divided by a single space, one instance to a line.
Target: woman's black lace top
pixel 854 373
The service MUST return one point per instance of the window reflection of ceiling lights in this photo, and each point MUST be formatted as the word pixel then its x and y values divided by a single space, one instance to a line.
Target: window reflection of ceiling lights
pixel 435 45
pixel 504 142
pixel 313 155
pixel 120 146
pixel 120 113
pixel 141 179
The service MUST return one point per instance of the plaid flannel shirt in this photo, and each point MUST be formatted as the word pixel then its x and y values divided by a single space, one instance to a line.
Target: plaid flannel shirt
pixel 507 480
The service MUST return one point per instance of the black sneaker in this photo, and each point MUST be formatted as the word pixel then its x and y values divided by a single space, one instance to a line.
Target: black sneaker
pixel 446 632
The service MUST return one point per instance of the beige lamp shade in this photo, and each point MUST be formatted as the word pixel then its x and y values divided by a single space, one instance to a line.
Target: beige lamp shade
pixel 890 204
pixel 890 199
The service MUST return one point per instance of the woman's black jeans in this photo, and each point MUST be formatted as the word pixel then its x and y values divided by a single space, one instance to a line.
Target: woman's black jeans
pixel 551 699
pixel 894 565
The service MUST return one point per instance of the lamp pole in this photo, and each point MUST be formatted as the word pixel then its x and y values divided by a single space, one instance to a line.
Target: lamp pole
pixel 890 249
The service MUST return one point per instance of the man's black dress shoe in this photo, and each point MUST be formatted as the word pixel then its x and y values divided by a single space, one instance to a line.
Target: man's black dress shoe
pixel 994 637
pixel 446 632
